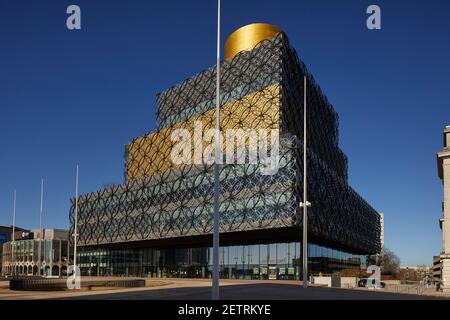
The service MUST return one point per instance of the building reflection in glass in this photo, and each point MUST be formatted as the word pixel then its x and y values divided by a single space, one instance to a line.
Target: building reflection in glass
pixel 280 261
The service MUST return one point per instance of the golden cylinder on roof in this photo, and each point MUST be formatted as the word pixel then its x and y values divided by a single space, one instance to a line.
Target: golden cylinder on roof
pixel 247 37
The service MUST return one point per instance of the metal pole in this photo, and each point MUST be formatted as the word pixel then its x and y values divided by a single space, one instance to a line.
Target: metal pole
pixel 215 275
pixel 13 234
pixel 305 204
pixel 40 226
pixel 75 235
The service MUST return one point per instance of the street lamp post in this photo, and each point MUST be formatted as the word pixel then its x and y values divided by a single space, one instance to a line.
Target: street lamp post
pixel 40 227
pixel 13 235
pixel 75 234
pixel 218 152
pixel 305 204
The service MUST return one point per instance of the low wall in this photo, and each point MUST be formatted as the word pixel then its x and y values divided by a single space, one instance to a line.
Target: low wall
pixel 43 284
pixel 322 281
pixel 337 282
pixel 392 282
pixel 349 282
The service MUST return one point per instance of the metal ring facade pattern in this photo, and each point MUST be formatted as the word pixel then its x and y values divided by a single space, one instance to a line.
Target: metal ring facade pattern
pixel 261 89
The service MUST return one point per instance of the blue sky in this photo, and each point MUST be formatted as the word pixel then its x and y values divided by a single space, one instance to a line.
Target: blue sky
pixel 69 97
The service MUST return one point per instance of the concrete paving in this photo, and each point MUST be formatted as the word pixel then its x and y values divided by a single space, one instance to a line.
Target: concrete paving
pixel 199 289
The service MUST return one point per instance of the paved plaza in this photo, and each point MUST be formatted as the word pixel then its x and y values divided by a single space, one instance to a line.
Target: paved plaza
pixel 199 289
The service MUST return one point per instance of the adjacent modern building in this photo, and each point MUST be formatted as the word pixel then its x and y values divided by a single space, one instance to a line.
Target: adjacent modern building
pixel 39 252
pixel 443 160
pixel 5 236
pixel 159 221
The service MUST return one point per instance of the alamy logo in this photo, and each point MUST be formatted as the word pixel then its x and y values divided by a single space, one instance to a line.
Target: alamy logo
pixel 241 146
pixel 74 278
pixel 374 281
pixel 73 21
pixel 374 20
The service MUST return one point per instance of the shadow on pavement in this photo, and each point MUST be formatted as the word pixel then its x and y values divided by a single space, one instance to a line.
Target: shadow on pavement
pixel 253 292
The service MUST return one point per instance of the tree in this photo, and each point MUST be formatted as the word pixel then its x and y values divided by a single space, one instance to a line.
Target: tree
pixel 358 273
pixel 390 262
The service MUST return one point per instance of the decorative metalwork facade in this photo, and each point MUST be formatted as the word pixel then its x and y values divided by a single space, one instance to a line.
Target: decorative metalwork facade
pixel 261 89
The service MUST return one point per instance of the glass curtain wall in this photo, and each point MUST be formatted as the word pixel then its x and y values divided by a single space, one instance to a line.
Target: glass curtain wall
pixel 281 261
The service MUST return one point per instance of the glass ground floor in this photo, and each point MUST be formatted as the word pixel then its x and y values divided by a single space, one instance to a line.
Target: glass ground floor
pixel 261 261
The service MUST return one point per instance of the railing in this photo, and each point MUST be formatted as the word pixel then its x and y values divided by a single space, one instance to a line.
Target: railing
pixel 414 288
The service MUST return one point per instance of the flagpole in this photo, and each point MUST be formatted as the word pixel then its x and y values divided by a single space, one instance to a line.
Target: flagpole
pixel 215 275
pixel 13 235
pixel 75 235
pixel 40 226
pixel 305 204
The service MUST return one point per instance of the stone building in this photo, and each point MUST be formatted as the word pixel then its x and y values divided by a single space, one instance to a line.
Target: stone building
pixel 443 158
pixel 39 252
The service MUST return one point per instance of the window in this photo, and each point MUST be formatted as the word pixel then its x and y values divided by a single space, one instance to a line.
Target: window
pixel 282 253
pixel 48 252
pixel 263 254
pixel 36 251
pixel 64 251
pixel 272 253
pixel 56 251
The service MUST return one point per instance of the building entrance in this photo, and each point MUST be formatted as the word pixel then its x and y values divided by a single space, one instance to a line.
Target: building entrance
pixel 273 272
